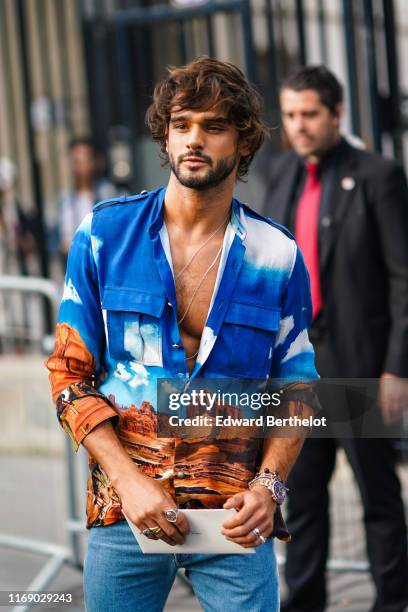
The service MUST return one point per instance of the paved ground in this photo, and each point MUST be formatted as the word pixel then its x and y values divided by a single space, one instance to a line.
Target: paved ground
pixel 34 506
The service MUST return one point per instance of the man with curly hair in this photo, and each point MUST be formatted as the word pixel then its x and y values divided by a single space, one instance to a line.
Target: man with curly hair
pixel 182 282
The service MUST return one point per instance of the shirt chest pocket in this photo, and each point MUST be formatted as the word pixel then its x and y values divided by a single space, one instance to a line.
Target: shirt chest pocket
pixel 251 331
pixel 134 325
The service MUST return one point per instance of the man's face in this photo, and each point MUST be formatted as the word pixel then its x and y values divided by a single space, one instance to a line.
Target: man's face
pixel 311 128
pixel 83 161
pixel 202 146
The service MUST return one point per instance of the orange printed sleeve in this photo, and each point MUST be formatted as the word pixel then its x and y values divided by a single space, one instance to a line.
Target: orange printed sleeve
pixel 80 407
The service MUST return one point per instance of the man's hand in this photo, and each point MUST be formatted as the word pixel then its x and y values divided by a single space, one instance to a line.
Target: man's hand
pixel 144 502
pixel 255 510
pixel 392 397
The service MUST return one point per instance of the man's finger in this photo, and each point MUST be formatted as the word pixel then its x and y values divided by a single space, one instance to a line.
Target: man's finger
pixel 250 537
pixel 244 528
pixel 161 536
pixel 168 540
pixel 248 507
pixel 170 529
pixel 235 501
pixel 182 524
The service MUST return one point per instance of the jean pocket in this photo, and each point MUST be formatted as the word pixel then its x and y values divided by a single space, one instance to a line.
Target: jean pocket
pixel 252 332
pixel 134 325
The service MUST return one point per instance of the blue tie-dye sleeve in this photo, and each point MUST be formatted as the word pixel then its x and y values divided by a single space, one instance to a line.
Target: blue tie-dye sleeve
pixel 81 306
pixel 79 343
pixel 293 357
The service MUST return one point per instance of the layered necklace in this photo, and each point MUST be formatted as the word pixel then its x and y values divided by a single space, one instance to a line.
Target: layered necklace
pixel 204 276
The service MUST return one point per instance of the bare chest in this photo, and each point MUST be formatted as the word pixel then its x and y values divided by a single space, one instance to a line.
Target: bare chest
pixel 195 286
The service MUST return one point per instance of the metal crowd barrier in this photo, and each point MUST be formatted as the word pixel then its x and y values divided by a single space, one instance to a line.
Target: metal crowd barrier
pixel 23 330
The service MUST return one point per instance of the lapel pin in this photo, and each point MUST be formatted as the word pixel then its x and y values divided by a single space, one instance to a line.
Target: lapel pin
pixel 348 183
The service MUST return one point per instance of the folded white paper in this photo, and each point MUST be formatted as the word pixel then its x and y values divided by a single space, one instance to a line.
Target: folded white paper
pixel 205 536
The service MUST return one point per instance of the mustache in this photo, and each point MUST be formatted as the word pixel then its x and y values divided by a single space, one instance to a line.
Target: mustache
pixel 197 154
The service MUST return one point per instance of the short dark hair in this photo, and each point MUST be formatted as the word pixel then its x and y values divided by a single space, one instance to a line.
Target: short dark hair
pixel 85 141
pixel 320 79
pixel 203 84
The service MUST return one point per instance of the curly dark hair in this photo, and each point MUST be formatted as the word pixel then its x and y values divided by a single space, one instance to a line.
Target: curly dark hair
pixel 203 84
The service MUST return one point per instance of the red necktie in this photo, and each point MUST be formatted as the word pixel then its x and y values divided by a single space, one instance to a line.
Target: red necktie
pixel 307 232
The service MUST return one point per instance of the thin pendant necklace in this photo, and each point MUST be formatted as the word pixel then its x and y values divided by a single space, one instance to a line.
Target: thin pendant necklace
pixel 196 290
pixel 194 295
pixel 201 247
pixel 201 281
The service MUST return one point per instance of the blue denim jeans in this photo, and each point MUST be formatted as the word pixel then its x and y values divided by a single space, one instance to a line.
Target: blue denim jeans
pixel 118 577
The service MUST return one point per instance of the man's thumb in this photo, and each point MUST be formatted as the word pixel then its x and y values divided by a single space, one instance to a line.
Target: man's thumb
pixel 234 502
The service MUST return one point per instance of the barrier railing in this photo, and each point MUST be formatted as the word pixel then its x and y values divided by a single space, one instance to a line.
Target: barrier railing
pixel 23 330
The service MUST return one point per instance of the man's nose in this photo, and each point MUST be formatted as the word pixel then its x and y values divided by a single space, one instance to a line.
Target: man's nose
pixel 299 124
pixel 195 138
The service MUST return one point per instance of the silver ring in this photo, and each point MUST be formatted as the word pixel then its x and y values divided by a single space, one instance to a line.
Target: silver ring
pixel 257 533
pixel 263 540
pixel 171 515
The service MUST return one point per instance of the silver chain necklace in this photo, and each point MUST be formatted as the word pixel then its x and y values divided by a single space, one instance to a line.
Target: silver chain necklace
pixel 194 295
pixel 196 290
pixel 201 281
pixel 201 247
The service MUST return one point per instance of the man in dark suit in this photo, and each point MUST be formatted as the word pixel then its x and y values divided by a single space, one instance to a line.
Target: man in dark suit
pixel 349 211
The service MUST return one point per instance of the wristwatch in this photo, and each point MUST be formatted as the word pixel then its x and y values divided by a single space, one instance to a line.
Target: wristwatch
pixel 273 483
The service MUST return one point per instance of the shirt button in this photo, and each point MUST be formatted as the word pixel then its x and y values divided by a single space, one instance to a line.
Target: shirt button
pixel 181 475
pixel 326 221
pixel 170 304
pixel 175 345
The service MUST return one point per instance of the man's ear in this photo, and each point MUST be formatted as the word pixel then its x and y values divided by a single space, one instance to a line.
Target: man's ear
pixel 244 148
pixel 339 110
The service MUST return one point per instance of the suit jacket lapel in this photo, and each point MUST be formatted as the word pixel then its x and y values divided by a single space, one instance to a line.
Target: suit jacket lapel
pixel 337 200
pixel 283 194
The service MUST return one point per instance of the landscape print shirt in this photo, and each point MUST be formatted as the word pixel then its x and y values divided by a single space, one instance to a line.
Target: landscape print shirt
pixel 117 333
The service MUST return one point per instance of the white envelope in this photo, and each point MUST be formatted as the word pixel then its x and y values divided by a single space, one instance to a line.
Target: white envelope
pixel 205 536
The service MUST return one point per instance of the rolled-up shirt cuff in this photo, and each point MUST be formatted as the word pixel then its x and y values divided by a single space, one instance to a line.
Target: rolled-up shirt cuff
pixel 80 415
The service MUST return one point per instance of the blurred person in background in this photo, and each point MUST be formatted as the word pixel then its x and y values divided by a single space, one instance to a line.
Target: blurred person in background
pixel 348 210
pixel 18 256
pixel 89 185
pixel 18 229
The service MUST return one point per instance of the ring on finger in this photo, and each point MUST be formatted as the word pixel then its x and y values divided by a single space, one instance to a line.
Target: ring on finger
pixel 259 535
pixel 153 533
pixel 171 515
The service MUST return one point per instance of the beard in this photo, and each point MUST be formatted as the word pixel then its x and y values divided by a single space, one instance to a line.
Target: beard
pixel 214 176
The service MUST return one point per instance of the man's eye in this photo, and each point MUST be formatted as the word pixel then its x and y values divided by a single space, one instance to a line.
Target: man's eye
pixel 179 126
pixel 215 128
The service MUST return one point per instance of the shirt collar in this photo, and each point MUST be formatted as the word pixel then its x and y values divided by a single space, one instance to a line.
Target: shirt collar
pixel 156 219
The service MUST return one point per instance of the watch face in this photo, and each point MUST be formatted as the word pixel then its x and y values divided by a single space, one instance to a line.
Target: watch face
pixel 279 492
